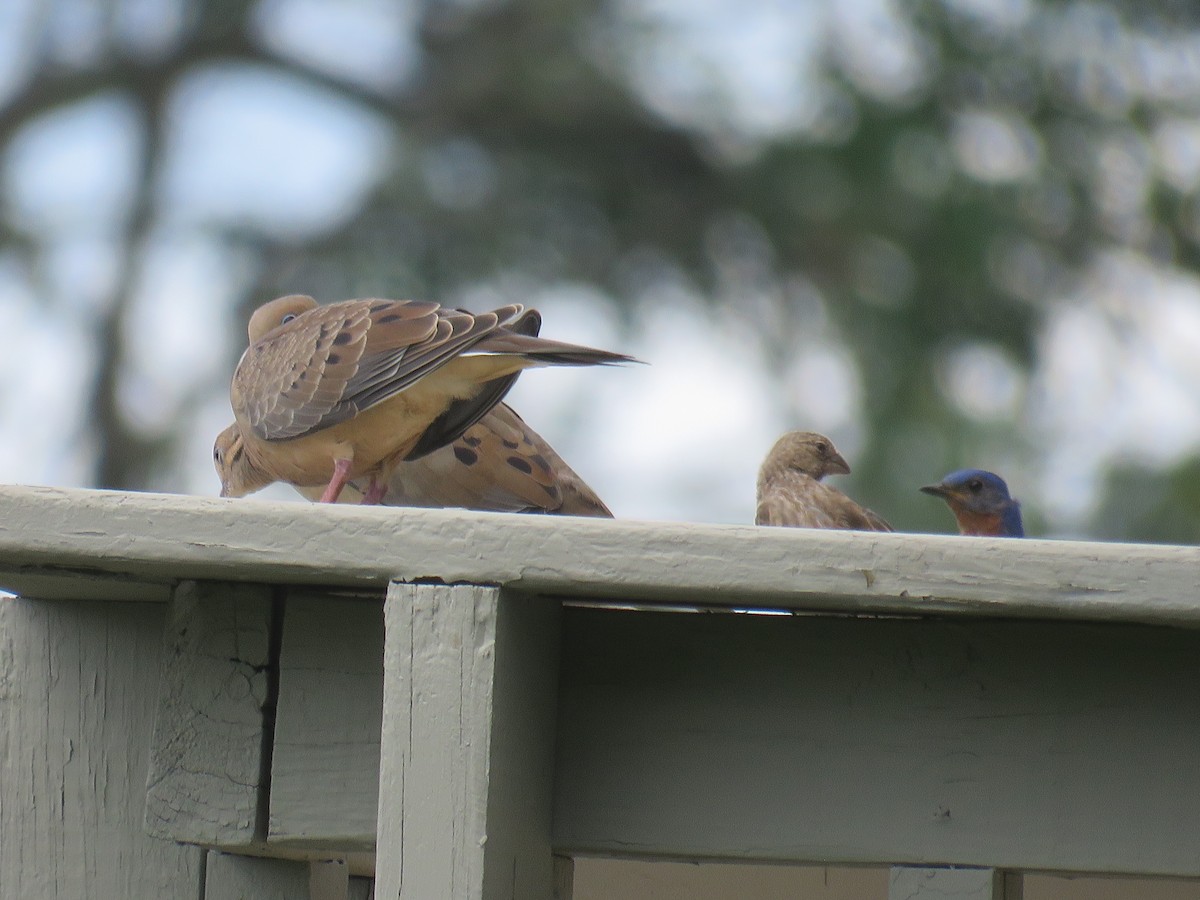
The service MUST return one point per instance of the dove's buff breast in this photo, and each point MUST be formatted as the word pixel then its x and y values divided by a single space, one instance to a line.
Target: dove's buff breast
pixel 378 438
pixel 499 464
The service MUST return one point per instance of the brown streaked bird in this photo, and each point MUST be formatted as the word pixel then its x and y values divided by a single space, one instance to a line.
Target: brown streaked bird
pixel 790 491
pixel 324 394
pixel 499 464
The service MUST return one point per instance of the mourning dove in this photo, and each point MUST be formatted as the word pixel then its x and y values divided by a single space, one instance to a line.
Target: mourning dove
pixel 498 464
pixel 324 394
pixel 980 503
pixel 790 491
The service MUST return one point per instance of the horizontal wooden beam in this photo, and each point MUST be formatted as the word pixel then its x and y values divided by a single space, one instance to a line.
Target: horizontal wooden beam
pixel 71 543
pixel 1019 745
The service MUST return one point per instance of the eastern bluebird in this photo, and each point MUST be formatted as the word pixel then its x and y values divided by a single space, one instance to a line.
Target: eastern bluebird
pixel 499 463
pixel 980 502
pixel 790 491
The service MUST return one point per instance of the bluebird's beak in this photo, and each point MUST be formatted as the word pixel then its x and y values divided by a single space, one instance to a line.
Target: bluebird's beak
pixel 937 490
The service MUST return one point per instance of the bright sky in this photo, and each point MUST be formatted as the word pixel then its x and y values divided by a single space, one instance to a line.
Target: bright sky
pixel 679 439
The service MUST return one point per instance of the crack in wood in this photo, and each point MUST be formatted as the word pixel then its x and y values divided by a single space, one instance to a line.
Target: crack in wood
pixel 270 707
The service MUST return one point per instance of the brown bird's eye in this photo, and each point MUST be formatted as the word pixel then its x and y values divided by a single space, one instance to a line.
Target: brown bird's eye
pixel 287 318
pixel 822 448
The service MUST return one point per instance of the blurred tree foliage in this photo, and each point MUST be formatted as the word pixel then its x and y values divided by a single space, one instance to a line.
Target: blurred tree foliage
pixel 949 174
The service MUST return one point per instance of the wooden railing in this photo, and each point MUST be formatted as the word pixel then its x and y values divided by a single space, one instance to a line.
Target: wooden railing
pixel 458 703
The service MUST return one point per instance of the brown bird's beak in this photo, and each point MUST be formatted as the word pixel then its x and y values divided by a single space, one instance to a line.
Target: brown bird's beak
pixel 837 464
pixel 937 490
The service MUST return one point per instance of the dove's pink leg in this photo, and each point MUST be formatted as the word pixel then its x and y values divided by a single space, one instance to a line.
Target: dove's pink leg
pixel 341 474
pixel 375 492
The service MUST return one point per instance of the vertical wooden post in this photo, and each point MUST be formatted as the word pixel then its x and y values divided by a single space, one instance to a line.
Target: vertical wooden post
pixel 467 753
pixel 77 702
pixel 207 762
pixel 920 883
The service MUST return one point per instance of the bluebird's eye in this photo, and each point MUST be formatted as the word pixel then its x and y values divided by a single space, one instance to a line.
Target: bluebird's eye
pixel 975 485
pixel 287 318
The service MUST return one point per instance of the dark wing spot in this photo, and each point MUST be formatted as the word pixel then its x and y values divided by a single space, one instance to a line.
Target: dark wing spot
pixel 511 445
pixel 466 456
pixel 344 337
pixel 472 441
pixel 376 307
pixel 540 461
pixel 551 489
pixel 521 465
pixel 333 359
pixel 390 317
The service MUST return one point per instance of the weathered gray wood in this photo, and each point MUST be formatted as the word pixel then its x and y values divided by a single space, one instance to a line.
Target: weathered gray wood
pixel 206 763
pixel 155 538
pixel 328 879
pixel 1008 744
pixel 920 883
pixel 325 771
pixel 76 713
pixel 467 753
pixel 232 877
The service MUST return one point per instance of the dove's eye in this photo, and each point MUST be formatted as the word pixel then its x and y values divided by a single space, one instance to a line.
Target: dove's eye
pixel 216 454
pixel 287 318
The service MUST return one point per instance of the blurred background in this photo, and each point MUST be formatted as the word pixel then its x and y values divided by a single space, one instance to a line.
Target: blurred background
pixel 944 233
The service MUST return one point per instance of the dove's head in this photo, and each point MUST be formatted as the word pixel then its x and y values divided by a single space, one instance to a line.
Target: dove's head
pixel 277 312
pixel 807 452
pixel 238 475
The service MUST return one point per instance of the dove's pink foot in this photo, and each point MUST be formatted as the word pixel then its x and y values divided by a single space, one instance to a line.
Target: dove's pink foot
pixel 375 492
pixel 341 474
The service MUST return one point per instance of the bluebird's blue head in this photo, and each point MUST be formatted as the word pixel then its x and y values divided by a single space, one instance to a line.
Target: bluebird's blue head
pixel 980 502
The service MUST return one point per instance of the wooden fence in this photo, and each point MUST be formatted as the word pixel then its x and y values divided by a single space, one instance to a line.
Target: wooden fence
pixel 211 699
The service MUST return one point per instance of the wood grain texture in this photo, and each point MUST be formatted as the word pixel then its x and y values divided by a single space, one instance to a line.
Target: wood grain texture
pixel 325 769
pixel 74 535
pixel 467 753
pixel 76 714
pixel 206 761
pixel 1036 746
pixel 919 883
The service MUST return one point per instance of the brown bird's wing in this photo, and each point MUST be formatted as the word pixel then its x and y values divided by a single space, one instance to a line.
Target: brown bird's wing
pixel 330 363
pixel 798 501
pixel 462 414
pixel 499 464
